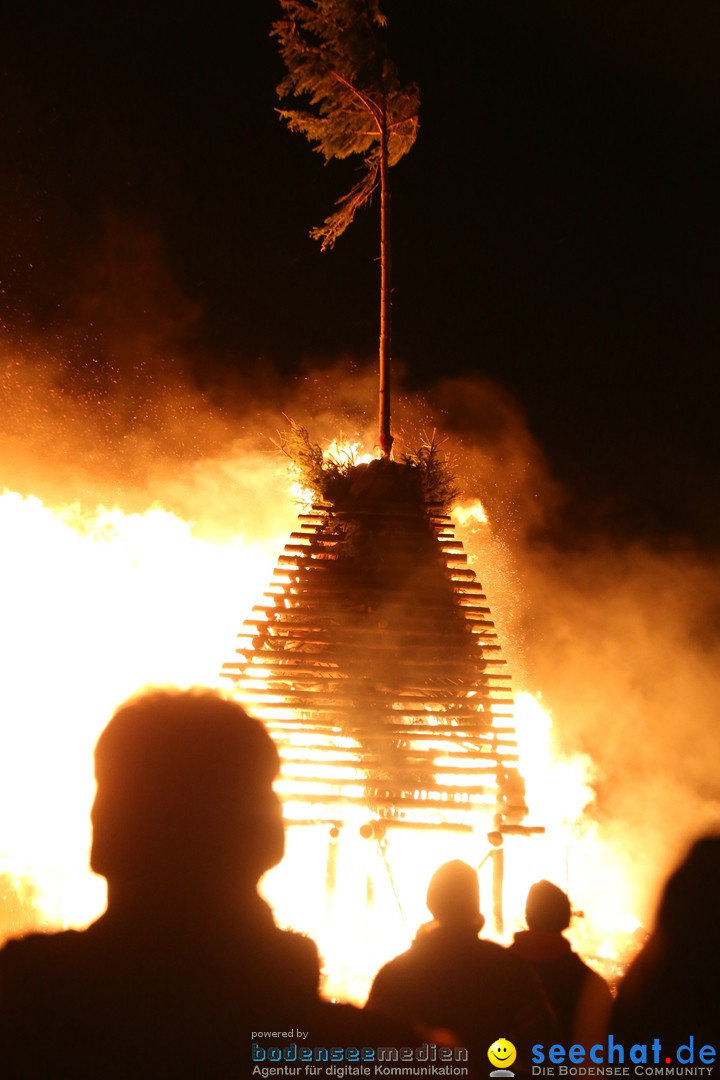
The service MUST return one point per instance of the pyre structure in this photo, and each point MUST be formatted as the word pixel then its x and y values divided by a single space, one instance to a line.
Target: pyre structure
pixel 375 663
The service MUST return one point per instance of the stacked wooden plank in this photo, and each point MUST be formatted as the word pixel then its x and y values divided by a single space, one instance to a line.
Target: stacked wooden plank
pixel 375 664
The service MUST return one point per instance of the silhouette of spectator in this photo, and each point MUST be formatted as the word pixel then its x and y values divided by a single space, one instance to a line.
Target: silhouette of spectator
pixel 186 962
pixel 450 979
pixel 580 998
pixel 671 990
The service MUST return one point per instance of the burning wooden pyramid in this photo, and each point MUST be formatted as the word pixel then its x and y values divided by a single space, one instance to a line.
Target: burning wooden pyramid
pixel 375 664
pixel 374 660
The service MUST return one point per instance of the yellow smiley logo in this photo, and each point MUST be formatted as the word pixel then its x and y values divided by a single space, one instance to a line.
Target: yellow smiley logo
pixel 502 1054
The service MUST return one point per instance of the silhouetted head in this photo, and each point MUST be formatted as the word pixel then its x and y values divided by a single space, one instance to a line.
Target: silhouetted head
pixel 184 793
pixel 453 896
pixel 547 907
pixel 688 908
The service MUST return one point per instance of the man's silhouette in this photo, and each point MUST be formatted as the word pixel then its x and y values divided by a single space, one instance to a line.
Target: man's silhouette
pixel 187 962
pixel 671 989
pixel 580 998
pixel 451 979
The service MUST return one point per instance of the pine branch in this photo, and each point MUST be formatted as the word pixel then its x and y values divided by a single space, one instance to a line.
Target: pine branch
pixel 349 92
pixel 336 224
pixel 436 472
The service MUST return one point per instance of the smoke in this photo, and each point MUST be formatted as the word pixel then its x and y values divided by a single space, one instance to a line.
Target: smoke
pixel 105 406
pixel 118 404
pixel 623 642
pixel 620 638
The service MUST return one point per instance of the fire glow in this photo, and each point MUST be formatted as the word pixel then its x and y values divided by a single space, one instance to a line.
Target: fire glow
pixel 99 604
pixel 96 605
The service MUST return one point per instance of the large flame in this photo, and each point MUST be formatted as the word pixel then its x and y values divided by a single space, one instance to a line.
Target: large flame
pixel 95 606
pixel 99 604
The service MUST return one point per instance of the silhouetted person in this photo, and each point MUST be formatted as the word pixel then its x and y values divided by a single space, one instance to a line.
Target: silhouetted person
pixel 453 980
pixel 672 988
pixel 580 998
pixel 186 962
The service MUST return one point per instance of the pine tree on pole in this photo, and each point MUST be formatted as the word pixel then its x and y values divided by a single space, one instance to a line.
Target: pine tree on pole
pixel 352 103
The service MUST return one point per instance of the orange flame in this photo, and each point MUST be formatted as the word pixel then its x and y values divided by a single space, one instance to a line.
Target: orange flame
pixel 99 604
pixel 96 605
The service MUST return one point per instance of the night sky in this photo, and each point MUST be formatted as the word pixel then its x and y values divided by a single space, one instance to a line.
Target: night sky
pixel 555 225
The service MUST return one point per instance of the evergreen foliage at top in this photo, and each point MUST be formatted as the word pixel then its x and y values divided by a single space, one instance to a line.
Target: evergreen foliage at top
pixel 352 99
pixel 437 475
pixel 331 479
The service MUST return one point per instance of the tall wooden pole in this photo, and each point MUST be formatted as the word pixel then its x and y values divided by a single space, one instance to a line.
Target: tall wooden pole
pixel 385 439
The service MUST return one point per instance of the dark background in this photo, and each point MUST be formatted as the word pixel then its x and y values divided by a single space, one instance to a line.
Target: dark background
pixel 555 226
